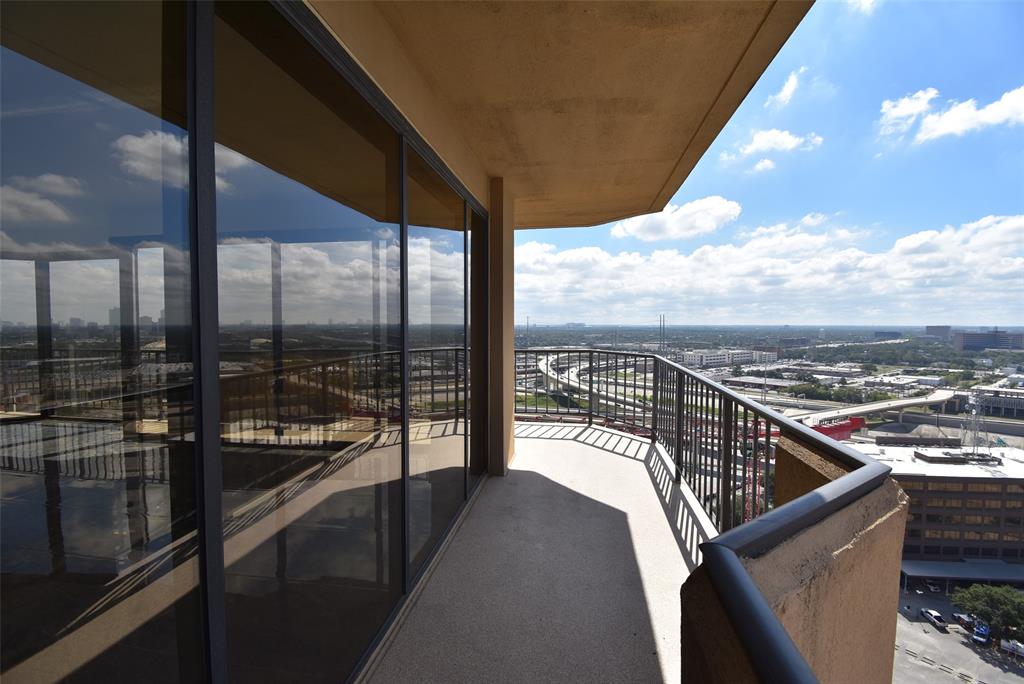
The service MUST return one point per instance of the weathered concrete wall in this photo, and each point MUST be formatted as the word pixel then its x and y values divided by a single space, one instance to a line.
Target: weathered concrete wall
pixel 711 650
pixel 835 587
pixel 799 470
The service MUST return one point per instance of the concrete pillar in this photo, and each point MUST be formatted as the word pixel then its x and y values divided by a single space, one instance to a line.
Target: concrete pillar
pixel 501 328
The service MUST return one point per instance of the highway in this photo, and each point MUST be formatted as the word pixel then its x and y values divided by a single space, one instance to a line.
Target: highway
pixel 815 417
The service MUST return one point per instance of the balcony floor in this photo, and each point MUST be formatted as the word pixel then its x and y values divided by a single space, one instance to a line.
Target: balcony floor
pixel 568 569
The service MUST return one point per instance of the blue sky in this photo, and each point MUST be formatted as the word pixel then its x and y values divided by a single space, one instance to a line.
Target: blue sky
pixel 875 174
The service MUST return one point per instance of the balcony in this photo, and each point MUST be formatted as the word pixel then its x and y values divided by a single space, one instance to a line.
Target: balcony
pixel 631 475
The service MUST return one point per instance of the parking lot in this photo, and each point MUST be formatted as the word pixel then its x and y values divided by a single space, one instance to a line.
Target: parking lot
pixel 924 654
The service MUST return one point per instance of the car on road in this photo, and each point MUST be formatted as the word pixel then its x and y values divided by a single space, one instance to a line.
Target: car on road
pixel 981 634
pixel 932 586
pixel 934 617
pixel 965 620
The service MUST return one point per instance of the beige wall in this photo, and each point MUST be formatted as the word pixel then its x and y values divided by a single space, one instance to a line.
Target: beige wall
pixel 834 586
pixel 502 327
pixel 799 470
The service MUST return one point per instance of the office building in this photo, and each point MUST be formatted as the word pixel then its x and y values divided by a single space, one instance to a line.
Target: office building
pixel 990 339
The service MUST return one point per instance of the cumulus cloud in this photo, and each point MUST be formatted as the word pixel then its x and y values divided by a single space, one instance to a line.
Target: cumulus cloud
pixel 785 94
pixel 963 117
pixel 698 217
pixel 50 184
pixel 898 116
pixel 774 140
pixel 161 156
pixel 763 165
pixel 21 206
pixel 862 6
pixel 809 270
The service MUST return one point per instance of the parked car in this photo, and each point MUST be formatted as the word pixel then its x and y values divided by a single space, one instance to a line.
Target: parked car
pixel 934 617
pixel 932 586
pixel 981 634
pixel 964 620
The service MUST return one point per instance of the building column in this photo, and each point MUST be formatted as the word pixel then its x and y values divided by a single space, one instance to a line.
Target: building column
pixel 501 328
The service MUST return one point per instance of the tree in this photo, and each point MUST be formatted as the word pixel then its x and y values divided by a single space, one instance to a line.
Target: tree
pixel 737 371
pixel 1001 607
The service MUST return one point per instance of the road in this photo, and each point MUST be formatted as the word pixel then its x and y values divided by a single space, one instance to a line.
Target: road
pixel 924 654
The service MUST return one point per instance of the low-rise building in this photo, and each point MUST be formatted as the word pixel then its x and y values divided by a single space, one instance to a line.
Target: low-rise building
pixel 963 504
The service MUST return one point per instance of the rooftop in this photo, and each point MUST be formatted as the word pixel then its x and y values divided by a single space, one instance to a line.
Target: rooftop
pixel 903 461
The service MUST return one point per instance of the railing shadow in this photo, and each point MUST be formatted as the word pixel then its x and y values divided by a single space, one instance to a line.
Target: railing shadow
pixel 690 525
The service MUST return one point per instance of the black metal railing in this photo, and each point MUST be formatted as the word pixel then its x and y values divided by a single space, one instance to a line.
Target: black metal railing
pixel 723 446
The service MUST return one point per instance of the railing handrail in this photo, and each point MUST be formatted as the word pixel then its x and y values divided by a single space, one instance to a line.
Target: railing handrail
pixel 772 652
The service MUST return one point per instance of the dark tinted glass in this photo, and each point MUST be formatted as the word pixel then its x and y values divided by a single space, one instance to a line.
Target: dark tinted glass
pixel 98 513
pixel 477 303
pixel 437 372
pixel 309 276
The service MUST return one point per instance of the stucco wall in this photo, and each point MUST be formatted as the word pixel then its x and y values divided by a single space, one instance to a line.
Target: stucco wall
pixel 835 587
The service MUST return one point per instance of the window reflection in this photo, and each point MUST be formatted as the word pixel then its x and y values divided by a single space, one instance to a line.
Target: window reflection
pixel 437 368
pixel 98 491
pixel 308 270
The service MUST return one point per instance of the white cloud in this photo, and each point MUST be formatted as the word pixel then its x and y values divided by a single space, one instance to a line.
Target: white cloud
pixel 775 140
pixel 785 94
pixel 698 217
pixel 798 272
pixel 763 165
pixel 962 117
pixel 161 156
pixel 50 184
pixel 20 206
pixel 862 6
pixel 899 115
pixel 813 219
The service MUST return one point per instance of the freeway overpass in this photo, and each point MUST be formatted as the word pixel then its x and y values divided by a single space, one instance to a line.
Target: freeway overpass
pixel 816 417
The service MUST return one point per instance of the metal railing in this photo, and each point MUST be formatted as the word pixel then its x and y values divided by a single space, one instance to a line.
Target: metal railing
pixel 722 445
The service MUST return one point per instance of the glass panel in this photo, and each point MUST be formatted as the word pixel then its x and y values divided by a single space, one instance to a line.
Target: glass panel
pixel 309 277
pixel 99 564
pixel 437 335
pixel 477 301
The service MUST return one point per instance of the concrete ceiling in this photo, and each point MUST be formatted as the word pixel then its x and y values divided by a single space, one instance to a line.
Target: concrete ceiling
pixel 590 111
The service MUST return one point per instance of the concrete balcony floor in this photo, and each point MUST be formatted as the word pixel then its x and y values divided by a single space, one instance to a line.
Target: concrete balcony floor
pixel 568 569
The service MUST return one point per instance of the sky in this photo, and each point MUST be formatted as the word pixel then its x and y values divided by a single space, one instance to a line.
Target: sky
pixel 873 175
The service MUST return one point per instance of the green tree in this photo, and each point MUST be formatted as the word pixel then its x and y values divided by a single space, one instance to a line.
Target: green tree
pixel 1001 607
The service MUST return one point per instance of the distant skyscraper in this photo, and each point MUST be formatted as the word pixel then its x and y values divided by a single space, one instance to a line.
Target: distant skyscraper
pixel 76 322
pixel 114 317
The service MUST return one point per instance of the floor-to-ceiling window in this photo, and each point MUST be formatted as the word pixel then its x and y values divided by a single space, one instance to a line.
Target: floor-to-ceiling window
pixel 437 369
pixel 97 466
pixel 308 223
pixel 337 246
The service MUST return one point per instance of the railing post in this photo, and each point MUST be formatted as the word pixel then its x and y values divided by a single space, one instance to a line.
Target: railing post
pixel 654 402
pixel 679 427
pixel 725 464
pixel 590 388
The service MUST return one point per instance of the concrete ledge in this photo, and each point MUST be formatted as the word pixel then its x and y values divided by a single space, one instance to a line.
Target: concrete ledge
pixel 834 586
pixel 799 470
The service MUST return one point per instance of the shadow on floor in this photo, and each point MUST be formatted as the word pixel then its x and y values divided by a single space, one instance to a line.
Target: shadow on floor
pixel 690 526
pixel 541 583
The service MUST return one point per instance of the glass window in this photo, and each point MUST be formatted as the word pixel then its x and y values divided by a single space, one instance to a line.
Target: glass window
pixel 911 485
pixel 477 302
pixel 984 487
pixel 309 281
pixel 437 335
pixel 945 487
pixel 98 510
